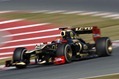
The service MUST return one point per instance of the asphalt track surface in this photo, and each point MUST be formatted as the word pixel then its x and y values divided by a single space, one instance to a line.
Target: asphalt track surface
pixel 74 70
pixel 86 5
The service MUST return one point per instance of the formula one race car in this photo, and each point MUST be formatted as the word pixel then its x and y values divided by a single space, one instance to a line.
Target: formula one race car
pixel 67 48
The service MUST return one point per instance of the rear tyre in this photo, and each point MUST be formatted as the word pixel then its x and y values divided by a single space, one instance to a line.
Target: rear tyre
pixel 19 56
pixel 104 46
pixel 66 51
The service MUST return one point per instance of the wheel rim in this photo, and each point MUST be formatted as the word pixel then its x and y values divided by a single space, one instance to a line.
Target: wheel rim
pixel 22 55
pixel 68 54
pixel 109 47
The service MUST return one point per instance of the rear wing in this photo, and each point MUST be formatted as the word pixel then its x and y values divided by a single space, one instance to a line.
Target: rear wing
pixel 88 30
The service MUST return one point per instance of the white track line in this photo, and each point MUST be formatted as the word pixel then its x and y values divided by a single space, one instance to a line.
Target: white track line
pixel 115 18
pixel 17 46
pixel 5 57
pixel 25 45
pixel 40 31
pixel 2 66
pixel 102 14
pixel 52 12
pixel 41 11
pixel 9 21
pixel 100 76
pixel 73 12
pixel 6 53
pixel 6 11
pixel 116 41
pixel 26 26
pixel 88 13
pixel 34 38
pixel 113 15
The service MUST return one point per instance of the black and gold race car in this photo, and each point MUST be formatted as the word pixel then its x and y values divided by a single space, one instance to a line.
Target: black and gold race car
pixel 67 48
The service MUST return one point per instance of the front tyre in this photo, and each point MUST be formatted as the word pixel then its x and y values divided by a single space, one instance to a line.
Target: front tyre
pixel 66 51
pixel 104 46
pixel 19 56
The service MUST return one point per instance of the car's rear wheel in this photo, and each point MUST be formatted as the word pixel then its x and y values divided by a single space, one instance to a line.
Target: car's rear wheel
pixel 66 51
pixel 19 56
pixel 104 46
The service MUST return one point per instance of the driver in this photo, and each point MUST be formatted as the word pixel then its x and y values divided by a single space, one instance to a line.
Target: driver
pixel 58 40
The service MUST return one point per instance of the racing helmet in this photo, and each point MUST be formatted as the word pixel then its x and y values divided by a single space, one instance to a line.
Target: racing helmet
pixel 58 40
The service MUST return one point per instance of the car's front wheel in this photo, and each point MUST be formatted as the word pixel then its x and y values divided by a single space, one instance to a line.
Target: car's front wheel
pixel 19 57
